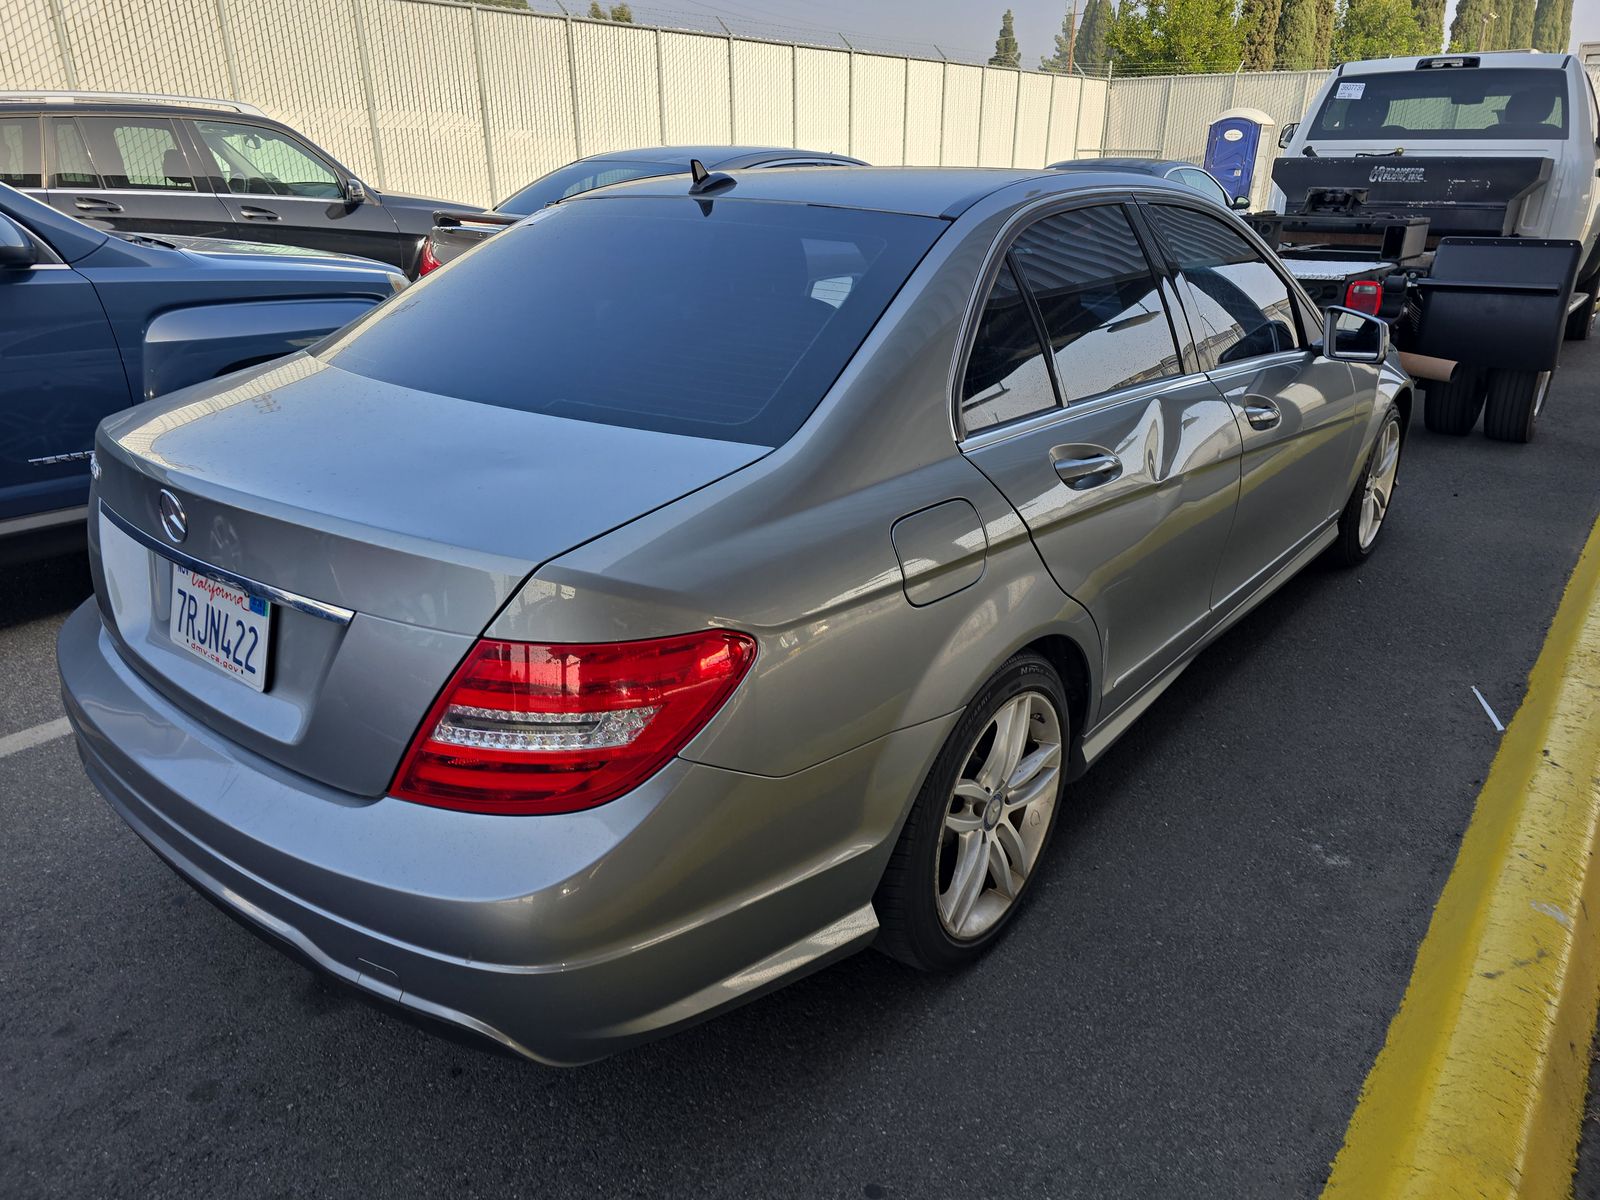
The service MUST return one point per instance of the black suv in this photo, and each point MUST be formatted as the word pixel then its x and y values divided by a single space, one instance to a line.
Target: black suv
pixel 212 168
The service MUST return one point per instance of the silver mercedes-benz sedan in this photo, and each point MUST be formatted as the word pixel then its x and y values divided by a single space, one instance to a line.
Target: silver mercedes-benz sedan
pixel 706 580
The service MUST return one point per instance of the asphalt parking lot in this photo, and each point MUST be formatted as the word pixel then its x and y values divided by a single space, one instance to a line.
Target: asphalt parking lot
pixel 1203 977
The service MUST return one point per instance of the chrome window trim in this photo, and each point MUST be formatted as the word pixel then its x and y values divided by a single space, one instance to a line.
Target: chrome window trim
pixel 1044 206
pixel 1094 404
pixel 251 587
pixel 1249 366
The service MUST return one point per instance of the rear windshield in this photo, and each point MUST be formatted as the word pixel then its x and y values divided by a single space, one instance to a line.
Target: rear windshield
pixel 722 319
pixel 578 177
pixel 1467 103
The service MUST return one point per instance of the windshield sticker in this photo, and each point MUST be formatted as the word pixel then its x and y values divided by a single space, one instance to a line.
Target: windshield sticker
pixel 1350 91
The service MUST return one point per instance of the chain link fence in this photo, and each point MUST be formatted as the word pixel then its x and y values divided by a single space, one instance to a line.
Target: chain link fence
pixel 469 103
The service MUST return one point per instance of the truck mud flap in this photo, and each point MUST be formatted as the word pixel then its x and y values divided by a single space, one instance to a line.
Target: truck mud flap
pixel 1497 302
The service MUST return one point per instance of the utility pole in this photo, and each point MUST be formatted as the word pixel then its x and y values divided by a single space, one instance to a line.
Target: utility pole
pixel 1072 44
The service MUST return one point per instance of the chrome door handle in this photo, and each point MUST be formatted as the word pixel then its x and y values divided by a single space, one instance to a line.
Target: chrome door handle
pixel 1261 412
pixel 89 204
pixel 1081 473
pixel 250 213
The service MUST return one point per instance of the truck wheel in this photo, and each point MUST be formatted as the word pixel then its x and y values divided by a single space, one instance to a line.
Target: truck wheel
pixel 1582 317
pixel 1453 407
pixel 1515 398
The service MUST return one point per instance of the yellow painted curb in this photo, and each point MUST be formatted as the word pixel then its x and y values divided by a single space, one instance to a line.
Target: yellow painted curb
pixel 1479 1088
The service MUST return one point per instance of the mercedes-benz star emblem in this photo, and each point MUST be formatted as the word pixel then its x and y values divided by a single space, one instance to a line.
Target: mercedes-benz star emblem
pixel 173 519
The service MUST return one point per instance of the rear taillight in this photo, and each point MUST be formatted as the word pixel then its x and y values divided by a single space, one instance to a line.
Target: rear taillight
pixel 1364 295
pixel 526 728
pixel 427 260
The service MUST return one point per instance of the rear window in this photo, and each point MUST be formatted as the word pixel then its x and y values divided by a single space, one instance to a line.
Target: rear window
pixel 579 177
pixel 1454 102
pixel 722 319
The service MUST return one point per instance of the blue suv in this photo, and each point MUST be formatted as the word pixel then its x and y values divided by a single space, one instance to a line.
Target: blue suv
pixel 91 322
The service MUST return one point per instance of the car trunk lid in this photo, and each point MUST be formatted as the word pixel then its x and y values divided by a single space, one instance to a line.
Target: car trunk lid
pixel 402 520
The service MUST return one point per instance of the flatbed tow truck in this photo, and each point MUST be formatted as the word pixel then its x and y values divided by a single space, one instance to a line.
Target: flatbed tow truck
pixel 1456 197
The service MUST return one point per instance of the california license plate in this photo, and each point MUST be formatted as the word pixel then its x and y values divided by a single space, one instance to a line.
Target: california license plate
pixel 221 624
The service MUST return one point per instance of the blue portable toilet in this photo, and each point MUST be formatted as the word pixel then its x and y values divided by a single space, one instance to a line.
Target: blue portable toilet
pixel 1239 149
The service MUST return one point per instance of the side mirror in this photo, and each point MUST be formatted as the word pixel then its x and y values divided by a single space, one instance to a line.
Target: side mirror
pixel 355 192
pixel 1351 336
pixel 1286 134
pixel 1241 203
pixel 17 249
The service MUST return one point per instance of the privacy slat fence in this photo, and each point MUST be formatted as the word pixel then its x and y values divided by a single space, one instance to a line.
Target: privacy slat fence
pixel 468 102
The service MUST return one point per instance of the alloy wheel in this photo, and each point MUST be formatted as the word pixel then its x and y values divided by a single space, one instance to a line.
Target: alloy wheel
pixel 998 815
pixel 1380 483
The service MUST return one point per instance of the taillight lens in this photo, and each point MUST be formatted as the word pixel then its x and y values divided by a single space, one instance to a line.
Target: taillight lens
pixel 1364 295
pixel 528 728
pixel 427 260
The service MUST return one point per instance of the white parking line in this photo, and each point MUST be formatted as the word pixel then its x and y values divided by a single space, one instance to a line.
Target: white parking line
pixel 12 743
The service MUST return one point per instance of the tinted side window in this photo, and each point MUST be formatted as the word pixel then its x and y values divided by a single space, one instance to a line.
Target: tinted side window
pixel 1243 308
pixel 19 152
pixel 1107 326
pixel 72 166
pixel 255 161
pixel 136 152
pixel 1006 377
pixel 1199 181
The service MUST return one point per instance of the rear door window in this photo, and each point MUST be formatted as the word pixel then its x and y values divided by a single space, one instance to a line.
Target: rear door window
pixel 1107 326
pixel 19 152
pixel 72 168
pixel 1007 376
pixel 1472 103
pixel 138 153
pixel 1242 306
pixel 722 319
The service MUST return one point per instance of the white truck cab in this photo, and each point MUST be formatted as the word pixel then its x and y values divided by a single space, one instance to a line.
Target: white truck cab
pixel 1505 104
pixel 1470 182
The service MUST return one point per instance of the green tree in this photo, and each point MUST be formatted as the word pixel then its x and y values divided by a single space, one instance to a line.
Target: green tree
pixel 622 13
pixel 1429 15
pixel 1552 25
pixel 1474 26
pixel 1296 48
pixel 1092 53
pixel 1258 31
pixel 596 13
pixel 1064 57
pixel 1376 29
pixel 1325 19
pixel 1176 36
pixel 1519 26
pixel 1006 51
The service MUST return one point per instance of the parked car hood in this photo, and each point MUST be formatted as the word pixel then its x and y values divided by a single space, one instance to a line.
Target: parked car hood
pixel 414 214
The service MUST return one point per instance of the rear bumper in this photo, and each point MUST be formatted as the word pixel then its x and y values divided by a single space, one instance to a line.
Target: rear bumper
pixel 561 938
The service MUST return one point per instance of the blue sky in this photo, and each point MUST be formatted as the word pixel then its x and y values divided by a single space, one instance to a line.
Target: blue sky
pixel 956 25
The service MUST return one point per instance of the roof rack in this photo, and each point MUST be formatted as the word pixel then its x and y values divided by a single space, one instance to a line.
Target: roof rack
pixel 55 97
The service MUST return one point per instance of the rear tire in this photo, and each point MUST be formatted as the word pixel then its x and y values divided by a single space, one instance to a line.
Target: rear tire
pixel 983 798
pixel 1514 401
pixel 1581 319
pixel 1452 408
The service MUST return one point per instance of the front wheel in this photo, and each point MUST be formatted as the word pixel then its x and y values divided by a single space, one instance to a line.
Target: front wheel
pixel 1581 319
pixel 980 824
pixel 1368 506
pixel 1515 401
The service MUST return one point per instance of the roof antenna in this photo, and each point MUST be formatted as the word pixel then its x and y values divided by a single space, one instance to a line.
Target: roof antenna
pixel 707 181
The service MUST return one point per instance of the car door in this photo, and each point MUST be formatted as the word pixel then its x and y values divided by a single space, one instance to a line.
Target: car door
pixel 1082 406
pixel 60 373
pixel 278 189
pixel 1296 410
pixel 130 172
